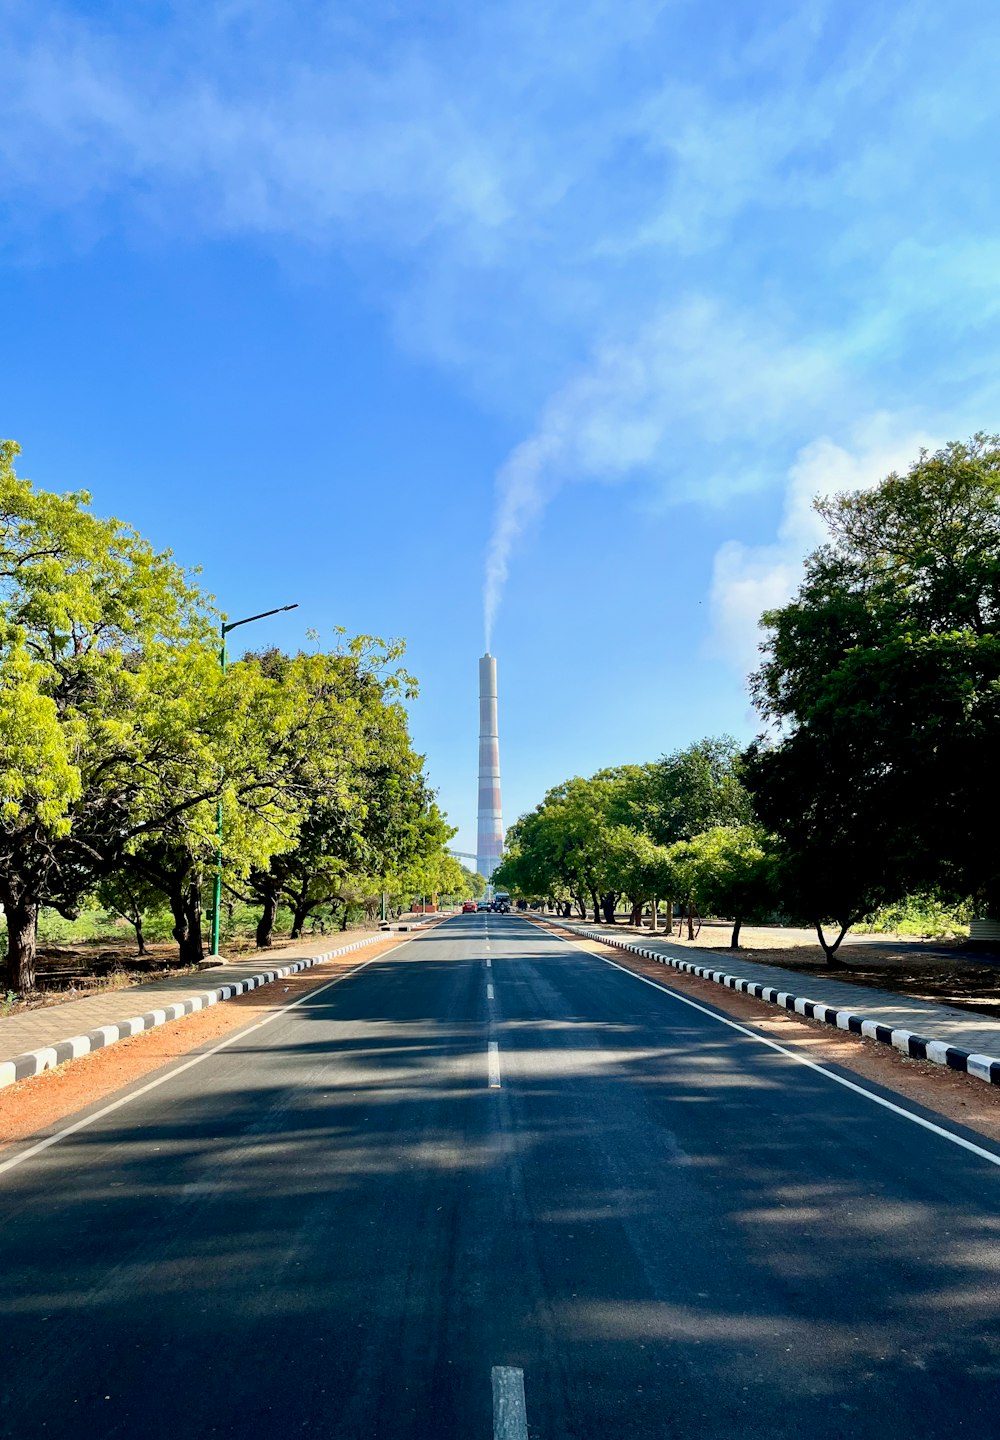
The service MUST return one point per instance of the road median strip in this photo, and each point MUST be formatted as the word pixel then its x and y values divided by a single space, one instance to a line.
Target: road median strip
pixel 917 1047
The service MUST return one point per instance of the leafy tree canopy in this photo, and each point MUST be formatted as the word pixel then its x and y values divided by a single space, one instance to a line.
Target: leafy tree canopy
pixel 106 650
pixel 882 676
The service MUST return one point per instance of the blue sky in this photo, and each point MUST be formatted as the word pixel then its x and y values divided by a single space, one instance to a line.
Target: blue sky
pixel 374 307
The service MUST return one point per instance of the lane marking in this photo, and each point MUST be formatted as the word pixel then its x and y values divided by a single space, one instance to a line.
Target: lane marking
pixel 88 1120
pixel 489 963
pixel 510 1415
pixel 799 1059
pixel 489 992
pixel 802 1060
pixel 494 1063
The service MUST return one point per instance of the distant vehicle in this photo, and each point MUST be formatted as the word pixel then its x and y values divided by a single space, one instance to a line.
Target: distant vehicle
pixel 501 902
pixel 468 906
pixel 482 904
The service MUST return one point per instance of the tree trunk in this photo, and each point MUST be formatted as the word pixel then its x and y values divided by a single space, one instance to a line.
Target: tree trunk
pixel 343 918
pixel 608 903
pixel 194 948
pixel 185 906
pixel 690 919
pixel 134 918
pixel 635 919
pixel 265 925
pixel 22 944
pixel 300 914
pixel 668 917
pixel 734 943
pixel 830 951
pixel 175 897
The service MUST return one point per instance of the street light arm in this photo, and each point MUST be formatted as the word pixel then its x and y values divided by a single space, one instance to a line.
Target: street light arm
pixel 234 624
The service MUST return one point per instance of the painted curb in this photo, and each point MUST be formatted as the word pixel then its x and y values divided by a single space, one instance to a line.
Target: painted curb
pixel 917 1047
pixel 33 1062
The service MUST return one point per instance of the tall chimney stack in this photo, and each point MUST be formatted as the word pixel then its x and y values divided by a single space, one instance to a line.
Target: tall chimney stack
pixel 489 842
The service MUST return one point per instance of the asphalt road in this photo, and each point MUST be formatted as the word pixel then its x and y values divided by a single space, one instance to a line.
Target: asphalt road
pixel 335 1226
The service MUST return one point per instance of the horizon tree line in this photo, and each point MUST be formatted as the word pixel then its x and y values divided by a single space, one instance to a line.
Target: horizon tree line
pixel 120 735
pixel 875 775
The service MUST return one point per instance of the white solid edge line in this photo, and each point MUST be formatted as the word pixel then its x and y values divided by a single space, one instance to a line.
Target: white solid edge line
pixel 493 1055
pixel 510 1414
pixel 36 1149
pixel 800 1060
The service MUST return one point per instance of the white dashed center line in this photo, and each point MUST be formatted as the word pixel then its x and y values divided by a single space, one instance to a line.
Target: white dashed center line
pixel 489 992
pixel 494 1062
pixel 510 1416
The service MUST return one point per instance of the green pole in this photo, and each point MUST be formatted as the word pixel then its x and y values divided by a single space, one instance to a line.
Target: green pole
pixel 224 630
pixel 217 895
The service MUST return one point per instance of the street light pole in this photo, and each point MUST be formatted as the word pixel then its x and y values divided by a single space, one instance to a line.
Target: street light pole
pixel 224 630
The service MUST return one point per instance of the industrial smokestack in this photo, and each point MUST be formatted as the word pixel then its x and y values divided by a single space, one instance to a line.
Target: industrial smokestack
pixel 489 841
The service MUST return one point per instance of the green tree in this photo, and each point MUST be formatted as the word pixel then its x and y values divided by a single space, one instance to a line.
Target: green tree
pixel 882 677
pixel 268 737
pixel 456 882
pixel 637 867
pixel 367 805
pixel 105 646
pixel 133 898
pixel 835 854
pixel 567 838
pixel 728 870
pixel 473 886
pixel 600 838
pixel 541 857
pixel 686 793
pixel 693 790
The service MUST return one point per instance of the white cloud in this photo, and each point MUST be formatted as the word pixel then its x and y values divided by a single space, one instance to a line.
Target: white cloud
pixel 682 402
pixel 749 579
pixel 518 180
pixel 327 146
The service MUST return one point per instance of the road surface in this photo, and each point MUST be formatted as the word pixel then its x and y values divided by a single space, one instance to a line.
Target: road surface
pixel 491 1177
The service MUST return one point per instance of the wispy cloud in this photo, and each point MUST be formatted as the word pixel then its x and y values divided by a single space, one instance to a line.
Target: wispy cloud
pixel 749 579
pixel 539 189
pixel 684 402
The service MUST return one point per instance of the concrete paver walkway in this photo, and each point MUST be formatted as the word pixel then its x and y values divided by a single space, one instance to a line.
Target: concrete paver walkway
pixel 44 1028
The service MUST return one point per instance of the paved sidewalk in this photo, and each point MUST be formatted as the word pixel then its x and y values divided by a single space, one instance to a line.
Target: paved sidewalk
pixel 38 1039
pixel 917 1027
pixel 30 1029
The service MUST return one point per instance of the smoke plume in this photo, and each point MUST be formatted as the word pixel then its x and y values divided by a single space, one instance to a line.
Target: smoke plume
pixel 692 399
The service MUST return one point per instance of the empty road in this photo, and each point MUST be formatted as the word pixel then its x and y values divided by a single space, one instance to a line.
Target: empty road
pixel 491 1161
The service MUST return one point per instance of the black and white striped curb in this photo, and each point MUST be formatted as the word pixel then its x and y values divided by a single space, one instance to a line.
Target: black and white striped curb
pixel 33 1062
pixel 983 1067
